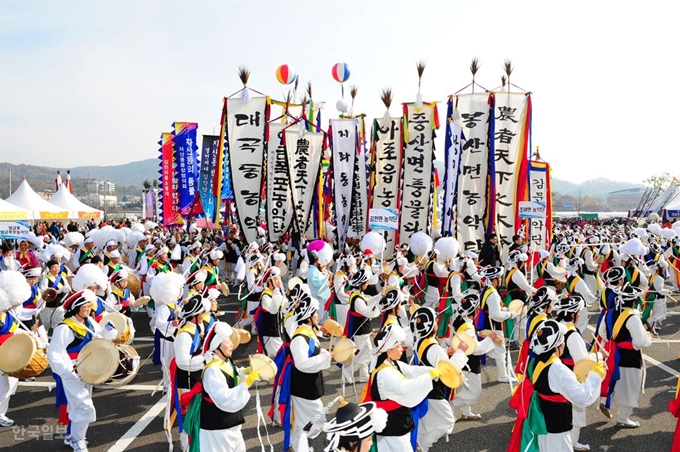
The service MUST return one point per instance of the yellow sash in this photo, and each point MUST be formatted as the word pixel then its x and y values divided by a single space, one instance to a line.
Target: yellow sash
pixel 423 345
pixel 541 366
pixel 77 327
pixel 620 321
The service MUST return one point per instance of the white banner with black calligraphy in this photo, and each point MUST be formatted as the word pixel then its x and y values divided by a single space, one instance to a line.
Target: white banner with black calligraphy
pixel 359 210
pixel 279 199
pixel 344 151
pixel 245 131
pixel 471 206
pixel 539 191
pixel 386 176
pixel 418 157
pixel 304 160
pixel 510 145
pixel 453 154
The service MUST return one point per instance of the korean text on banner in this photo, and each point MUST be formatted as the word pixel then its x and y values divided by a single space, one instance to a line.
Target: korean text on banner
pixel 245 130
pixel 476 121
pixel 359 211
pixel 539 192
pixel 206 179
pixel 184 143
pixel 454 150
pixel 383 220
pixel 14 229
pixel 344 152
pixel 169 183
pixel 418 156
pixel 387 145
pixel 279 198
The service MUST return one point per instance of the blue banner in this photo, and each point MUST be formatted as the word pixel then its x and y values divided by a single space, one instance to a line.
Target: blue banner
pixel 206 178
pixel 185 148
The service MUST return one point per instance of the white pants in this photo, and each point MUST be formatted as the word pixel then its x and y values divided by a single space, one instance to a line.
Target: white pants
pixel 8 387
pixel 227 440
pixel 468 394
pixel 438 422
pixel 498 354
pixel 394 443
pixel 304 411
pixel 555 442
pixel 659 310
pixel 627 391
pixel 342 310
pixel 431 297
pixel 272 345
pixel 51 317
pixel 582 323
pixel 80 407
pixel 361 360
pixel 167 353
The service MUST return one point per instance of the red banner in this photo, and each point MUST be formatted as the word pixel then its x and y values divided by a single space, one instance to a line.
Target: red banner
pixel 169 194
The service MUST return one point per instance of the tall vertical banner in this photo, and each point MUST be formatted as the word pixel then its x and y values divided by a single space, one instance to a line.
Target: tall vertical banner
pixel 279 196
pixel 206 177
pixel 474 189
pixel 418 156
pixel 359 217
pixel 169 184
pixel 304 161
pixel 185 147
pixel 540 192
pixel 512 130
pixel 344 150
pixel 452 153
pixel 386 177
pixel 245 130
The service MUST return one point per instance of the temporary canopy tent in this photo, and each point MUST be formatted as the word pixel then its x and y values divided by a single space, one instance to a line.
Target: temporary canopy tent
pixel 672 210
pixel 10 212
pixel 65 200
pixel 25 197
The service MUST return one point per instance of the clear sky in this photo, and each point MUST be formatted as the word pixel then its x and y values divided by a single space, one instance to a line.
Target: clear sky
pixel 96 82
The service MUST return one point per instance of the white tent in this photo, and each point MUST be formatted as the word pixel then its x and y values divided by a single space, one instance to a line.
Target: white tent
pixel 672 209
pixel 665 198
pixel 10 212
pixel 25 197
pixel 65 200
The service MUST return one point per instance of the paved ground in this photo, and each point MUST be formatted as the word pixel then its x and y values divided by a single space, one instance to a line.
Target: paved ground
pixel 131 418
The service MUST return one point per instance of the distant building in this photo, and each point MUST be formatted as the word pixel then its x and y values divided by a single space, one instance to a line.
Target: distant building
pixel 623 200
pixel 98 201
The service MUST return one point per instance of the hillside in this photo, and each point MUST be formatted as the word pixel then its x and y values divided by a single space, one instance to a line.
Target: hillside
pixel 129 178
pixel 597 188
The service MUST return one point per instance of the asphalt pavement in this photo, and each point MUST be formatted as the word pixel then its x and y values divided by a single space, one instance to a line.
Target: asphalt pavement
pixel 131 418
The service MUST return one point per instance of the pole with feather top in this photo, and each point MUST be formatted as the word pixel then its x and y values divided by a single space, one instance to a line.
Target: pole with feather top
pixel 354 89
pixel 420 67
pixel 244 75
pixel 474 68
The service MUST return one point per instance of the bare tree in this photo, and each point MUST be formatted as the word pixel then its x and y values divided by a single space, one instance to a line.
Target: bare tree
pixel 659 180
pixel 580 201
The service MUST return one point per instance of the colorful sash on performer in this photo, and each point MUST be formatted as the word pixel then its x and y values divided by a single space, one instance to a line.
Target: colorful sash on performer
pixel 284 364
pixel 525 353
pixel 530 420
pixel 612 347
pixel 157 337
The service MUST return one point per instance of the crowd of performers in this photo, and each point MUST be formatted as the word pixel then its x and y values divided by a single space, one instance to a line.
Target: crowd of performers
pixel 406 326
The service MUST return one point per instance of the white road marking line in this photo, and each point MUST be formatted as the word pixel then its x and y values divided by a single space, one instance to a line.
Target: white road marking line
pixel 139 427
pixel 46 384
pixel 651 360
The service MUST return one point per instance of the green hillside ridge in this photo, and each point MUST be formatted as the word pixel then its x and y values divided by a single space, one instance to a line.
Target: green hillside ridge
pixel 130 176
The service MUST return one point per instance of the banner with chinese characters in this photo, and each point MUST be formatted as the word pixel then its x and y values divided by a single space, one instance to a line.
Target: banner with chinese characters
pixel 475 181
pixel 344 150
pixel 304 152
pixel 512 123
pixel 452 156
pixel 539 192
pixel 386 176
pixel 206 177
pixel 245 131
pixel 186 159
pixel 418 156
pixel 279 197
pixel 359 209
pixel 168 182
